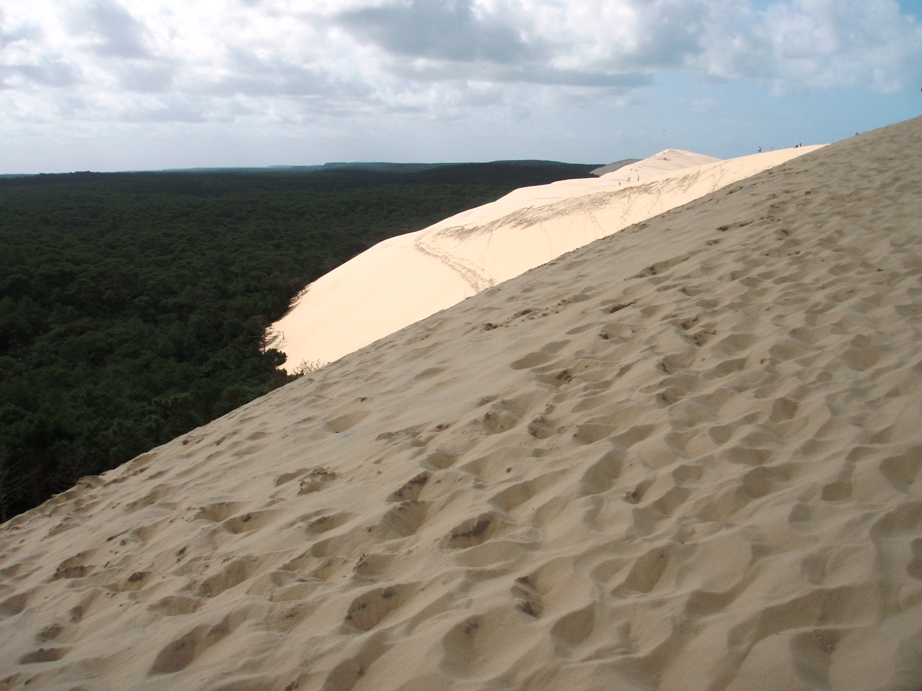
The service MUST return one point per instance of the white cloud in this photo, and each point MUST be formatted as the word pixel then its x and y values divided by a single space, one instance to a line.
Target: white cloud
pixel 819 43
pixel 111 30
pixel 316 61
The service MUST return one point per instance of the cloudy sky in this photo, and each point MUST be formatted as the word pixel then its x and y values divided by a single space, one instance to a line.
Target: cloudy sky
pixel 152 84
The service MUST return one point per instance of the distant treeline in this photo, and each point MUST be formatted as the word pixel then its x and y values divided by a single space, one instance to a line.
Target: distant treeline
pixel 133 306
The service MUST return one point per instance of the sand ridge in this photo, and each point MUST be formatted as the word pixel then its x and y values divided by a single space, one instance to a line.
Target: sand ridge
pixel 684 457
pixel 665 161
pixel 406 278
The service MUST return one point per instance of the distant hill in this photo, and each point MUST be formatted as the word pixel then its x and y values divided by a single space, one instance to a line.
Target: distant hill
pixel 377 166
pixel 612 167
pixel 386 167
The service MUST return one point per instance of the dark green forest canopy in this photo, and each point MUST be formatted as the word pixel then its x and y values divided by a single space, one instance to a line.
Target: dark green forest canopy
pixel 133 306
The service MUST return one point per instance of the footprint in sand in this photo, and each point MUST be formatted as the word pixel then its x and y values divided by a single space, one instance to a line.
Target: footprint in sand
pixel 248 522
pixel 174 605
pixel 403 520
pixel 235 573
pixel 13 605
pixel 593 431
pixel 901 471
pixel 327 522
pixel 49 633
pixel 440 459
pixel 659 267
pixel 350 671
pixel 367 610
pixel 43 655
pixel 573 629
pixel 183 651
pixel 412 488
pixel 149 499
pixel 601 475
pixel 218 512
pixel 526 597
pixel 541 427
pixel 288 477
pixel 472 532
pixel 75 566
pixel 516 495
pixel 463 647
pixel 346 422
pixel 645 573
pixel 315 480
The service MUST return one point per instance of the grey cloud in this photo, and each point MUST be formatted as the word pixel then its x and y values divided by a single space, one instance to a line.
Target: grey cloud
pixel 56 74
pixel 536 73
pixel 253 76
pixel 822 43
pixel 456 43
pixel 447 56
pixel 285 82
pixel 174 110
pixel 552 77
pixel 22 33
pixel 53 74
pixel 144 78
pixel 448 30
pixel 670 33
pixel 46 71
pixel 118 33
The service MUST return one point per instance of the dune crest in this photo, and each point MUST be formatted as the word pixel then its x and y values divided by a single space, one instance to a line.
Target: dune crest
pixel 406 278
pixel 665 161
pixel 684 457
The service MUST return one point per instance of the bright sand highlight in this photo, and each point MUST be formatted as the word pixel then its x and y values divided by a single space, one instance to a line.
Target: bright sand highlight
pixel 685 457
pixel 406 278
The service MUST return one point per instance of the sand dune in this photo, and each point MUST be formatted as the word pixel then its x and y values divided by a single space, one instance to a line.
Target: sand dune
pixel 685 457
pixel 407 278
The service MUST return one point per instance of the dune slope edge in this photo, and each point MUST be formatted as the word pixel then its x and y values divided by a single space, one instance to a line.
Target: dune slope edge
pixel 406 278
pixel 683 457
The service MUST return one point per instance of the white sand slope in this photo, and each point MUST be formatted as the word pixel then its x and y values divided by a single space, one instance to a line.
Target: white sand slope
pixel 409 277
pixel 684 458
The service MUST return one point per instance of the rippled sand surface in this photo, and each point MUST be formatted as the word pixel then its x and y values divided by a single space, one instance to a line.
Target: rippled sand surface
pixel 684 457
